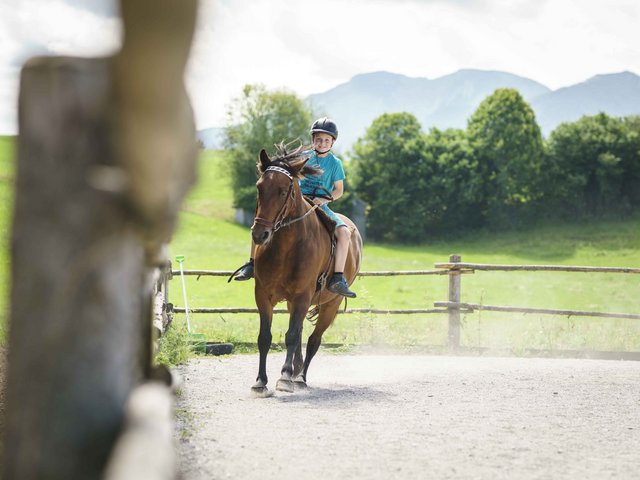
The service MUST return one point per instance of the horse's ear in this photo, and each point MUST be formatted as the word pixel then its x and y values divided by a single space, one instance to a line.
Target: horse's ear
pixel 264 159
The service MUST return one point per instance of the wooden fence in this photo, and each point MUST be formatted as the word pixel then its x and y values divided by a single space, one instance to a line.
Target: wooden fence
pixel 105 155
pixel 454 269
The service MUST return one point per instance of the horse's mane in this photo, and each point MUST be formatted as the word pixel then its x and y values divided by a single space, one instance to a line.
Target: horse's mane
pixel 294 161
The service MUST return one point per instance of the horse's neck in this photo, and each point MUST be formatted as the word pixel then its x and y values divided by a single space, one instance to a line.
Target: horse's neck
pixel 301 205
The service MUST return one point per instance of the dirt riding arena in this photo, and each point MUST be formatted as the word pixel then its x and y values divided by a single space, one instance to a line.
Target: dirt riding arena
pixel 412 416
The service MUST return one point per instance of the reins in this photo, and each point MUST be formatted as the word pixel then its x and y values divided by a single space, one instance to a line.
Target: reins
pixel 279 222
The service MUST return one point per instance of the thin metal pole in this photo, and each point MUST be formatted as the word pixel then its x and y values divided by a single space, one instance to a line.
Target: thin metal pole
pixel 180 259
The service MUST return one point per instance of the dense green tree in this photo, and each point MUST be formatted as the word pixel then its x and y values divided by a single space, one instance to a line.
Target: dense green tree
pixel 596 165
pixel 454 195
pixel 260 119
pixel 507 145
pixel 390 174
pixel 631 181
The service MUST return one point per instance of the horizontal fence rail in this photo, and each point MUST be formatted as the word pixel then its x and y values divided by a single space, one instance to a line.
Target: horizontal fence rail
pixel 454 269
pixel 534 268
pixel 383 273
pixel 471 307
pixel 348 310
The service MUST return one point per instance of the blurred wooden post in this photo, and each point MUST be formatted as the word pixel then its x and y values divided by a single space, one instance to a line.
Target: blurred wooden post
pixel 77 269
pixel 454 296
pixel 106 154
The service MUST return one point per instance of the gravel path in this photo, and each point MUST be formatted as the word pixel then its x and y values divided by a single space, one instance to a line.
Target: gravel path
pixel 413 417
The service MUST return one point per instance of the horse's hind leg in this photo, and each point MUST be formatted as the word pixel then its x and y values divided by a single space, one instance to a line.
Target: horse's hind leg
pixel 297 358
pixel 327 314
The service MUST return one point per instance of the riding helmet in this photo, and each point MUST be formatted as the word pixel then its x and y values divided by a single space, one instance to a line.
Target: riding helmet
pixel 325 125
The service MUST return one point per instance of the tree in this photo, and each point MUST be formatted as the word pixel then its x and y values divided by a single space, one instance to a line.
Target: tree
pixel 631 181
pixel 596 165
pixel 391 176
pixel 507 144
pixel 454 194
pixel 260 119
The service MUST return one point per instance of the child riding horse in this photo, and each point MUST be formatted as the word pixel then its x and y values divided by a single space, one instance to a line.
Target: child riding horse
pixel 322 189
pixel 293 255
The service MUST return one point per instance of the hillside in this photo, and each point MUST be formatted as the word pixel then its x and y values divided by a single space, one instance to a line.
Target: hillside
pixel 210 240
pixel 442 102
pixel 616 94
pixel 211 138
pixel 448 101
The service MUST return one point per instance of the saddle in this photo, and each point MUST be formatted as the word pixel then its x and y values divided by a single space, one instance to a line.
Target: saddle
pixel 325 219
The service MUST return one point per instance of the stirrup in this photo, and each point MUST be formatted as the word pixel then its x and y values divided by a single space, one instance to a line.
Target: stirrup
pixel 341 288
pixel 245 272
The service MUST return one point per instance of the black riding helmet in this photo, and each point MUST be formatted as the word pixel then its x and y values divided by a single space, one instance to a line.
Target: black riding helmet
pixel 325 125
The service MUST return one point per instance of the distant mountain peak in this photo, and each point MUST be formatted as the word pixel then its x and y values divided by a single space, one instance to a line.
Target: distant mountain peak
pixel 448 101
pixel 381 74
pixel 625 75
pixel 443 102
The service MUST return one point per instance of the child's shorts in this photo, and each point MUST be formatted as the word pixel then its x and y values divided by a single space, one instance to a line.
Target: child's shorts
pixel 334 217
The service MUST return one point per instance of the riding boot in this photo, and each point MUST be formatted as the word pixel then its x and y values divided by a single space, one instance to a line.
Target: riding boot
pixel 338 285
pixel 245 272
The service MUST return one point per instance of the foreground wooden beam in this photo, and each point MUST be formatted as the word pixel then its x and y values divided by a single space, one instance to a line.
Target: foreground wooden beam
pixel 77 268
pixel 144 450
pixel 106 154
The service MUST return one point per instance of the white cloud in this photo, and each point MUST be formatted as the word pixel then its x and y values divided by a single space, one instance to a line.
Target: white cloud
pixel 48 27
pixel 309 46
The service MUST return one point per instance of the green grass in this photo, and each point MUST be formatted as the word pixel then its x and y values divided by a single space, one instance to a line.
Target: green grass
pixel 210 240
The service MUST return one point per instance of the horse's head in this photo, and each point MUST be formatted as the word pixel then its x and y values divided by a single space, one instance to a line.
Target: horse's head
pixel 277 189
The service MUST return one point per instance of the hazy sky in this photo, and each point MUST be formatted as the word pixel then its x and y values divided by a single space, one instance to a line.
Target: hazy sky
pixel 311 46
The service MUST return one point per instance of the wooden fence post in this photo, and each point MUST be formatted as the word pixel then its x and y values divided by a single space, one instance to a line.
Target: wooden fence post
pixel 106 154
pixel 75 338
pixel 454 296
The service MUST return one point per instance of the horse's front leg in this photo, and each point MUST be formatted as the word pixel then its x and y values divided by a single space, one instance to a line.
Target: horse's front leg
pixel 264 341
pixel 298 359
pixel 298 310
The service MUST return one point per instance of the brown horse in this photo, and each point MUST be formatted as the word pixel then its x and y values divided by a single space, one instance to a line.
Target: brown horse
pixel 294 249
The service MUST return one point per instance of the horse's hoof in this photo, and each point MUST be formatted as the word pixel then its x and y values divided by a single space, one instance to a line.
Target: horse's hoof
pixel 285 386
pixel 260 390
pixel 300 383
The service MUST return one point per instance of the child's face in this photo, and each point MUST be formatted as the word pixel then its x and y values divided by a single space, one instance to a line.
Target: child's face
pixel 322 142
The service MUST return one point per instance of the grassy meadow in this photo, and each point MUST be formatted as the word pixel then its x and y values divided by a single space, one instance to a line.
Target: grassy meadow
pixel 210 240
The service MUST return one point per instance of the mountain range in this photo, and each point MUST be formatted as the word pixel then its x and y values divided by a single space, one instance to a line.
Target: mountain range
pixel 449 101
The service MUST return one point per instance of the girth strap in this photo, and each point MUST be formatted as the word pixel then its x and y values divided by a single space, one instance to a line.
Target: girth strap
pixel 322 279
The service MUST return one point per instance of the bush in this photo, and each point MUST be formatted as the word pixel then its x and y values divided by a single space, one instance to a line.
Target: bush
pixel 174 346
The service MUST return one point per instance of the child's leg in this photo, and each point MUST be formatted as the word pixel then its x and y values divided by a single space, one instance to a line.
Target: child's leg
pixel 338 283
pixel 245 272
pixel 343 235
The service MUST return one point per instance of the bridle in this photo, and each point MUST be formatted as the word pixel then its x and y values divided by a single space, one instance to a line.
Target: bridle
pixel 279 222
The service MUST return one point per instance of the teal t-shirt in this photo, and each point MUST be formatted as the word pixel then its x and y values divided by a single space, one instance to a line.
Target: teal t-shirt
pixel 332 172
